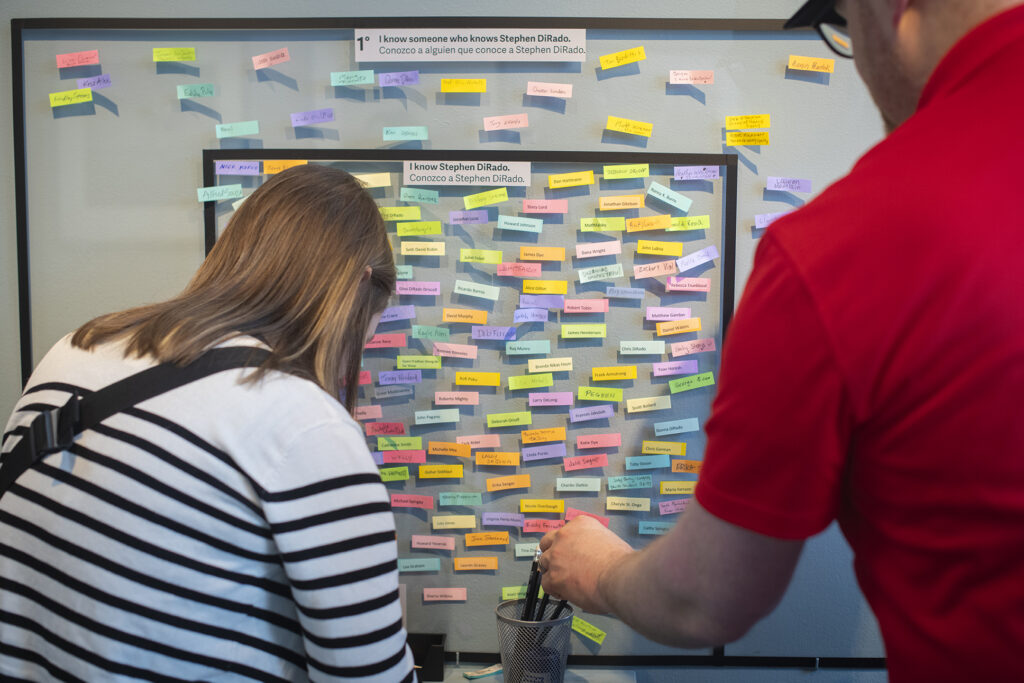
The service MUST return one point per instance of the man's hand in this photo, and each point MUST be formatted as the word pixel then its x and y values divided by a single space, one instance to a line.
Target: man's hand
pixel 574 559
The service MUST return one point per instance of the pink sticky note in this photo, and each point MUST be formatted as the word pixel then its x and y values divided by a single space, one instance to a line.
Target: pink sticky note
pixel 270 58
pixel 386 341
pixel 457 398
pixel 583 462
pixel 654 269
pixel 364 377
pixel 591 249
pixel 664 313
pixel 548 89
pixel 688 284
pixel 598 440
pixel 585 306
pixel 545 206
pixel 455 350
pixel 692 346
pixel 368 412
pixel 433 542
pixel 409 500
pixel 551 398
pixel 414 288
pixel 405 457
pixel 443 594
pixel 519 269
pixel 668 507
pixel 542 526
pixel 573 513
pixel 481 440
pixel 688 77
pixel 506 122
pixel 384 429
pixel 70 59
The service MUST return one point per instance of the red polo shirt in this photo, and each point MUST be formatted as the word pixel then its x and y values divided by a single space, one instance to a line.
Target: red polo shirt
pixel 874 373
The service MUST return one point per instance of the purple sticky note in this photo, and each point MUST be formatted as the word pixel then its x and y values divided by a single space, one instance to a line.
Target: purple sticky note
pixel 591 413
pixel 95 82
pixel 530 315
pixel 551 450
pixel 788 184
pixel 400 78
pixel 502 519
pixel 697 258
pixel 492 332
pixel 394 313
pixel 625 292
pixel 696 173
pixel 763 220
pixel 378 457
pixel 400 377
pixel 675 367
pixel 665 313
pixel 308 118
pixel 555 301
pixel 468 217
pixel 551 398
pixel 236 168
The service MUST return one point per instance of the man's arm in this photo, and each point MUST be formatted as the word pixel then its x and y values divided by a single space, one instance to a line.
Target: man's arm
pixel 704 583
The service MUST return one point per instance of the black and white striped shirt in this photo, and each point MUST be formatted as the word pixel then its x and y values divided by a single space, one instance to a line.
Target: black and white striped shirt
pixel 218 532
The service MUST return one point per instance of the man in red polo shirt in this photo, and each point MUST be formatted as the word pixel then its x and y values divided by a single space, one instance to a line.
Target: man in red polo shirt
pixel 874 374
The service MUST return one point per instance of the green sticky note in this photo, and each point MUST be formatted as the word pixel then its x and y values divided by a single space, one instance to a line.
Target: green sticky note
pixel 526 550
pixel 231 130
pixel 626 171
pixel 630 481
pixel 394 473
pixel 405 133
pixel 515 419
pixel 599 394
pixel 537 347
pixel 610 224
pixel 419 228
pixel 415 194
pixel 217 192
pixel 652 528
pixel 400 213
pixel 670 197
pixel 198 90
pixel 442 416
pixel 489 256
pixel 690 223
pixel 174 54
pixel 543 379
pixel 588 630
pixel 399 443
pixel 418 362
pixel 578 483
pixel 641 348
pixel 609 272
pixel 585 331
pixel 477 290
pixel 430 332
pixel 363 77
pixel 426 564
pixel 403 272
pixel 521 223
pixel 460 498
pixel 704 379
pixel 519 592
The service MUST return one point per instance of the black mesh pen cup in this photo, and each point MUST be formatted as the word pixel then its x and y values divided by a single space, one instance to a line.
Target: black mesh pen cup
pixel 532 651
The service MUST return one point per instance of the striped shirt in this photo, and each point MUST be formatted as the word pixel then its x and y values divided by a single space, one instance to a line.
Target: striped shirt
pixel 219 532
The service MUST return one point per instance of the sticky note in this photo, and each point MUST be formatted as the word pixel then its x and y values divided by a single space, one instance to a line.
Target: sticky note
pixel 395 443
pixel 408 500
pixel 588 630
pixel 394 473
pixel 395 78
pixel 602 412
pixel 630 348
pixel 409 457
pixel 553 398
pixel 641 223
pixel 574 179
pixel 463 85
pixel 464 315
pixel 599 394
pixel 618 202
pixel 488 256
pixel 404 133
pixel 663 313
pixel 634 54
pixel 174 54
pixel 373 179
pixel 631 504
pixel 541 505
pixel 696 173
pixel 599 440
pixel 578 484
pixel 417 288
pixel 249 168
pixel 409 228
pixel 545 286
pixel 498 458
pixel 549 365
pixel 630 481
pixel 584 331
pixel 512 519
pixel 747 138
pixel 393 313
pixel 763 220
pixel 544 452
pixel 416 194
pixel 541 526
pixel 512 419
pixel 652 528
pixel 688 284
pixel 468 217
pixel 444 594
pixel 368 412
pixel 705 379
pixel 516 382
pixel 691 77
pixel 344 78
pixel 441 416
pixel 231 130
pixel 70 59
pixel 218 192
pixel 196 90
pixel 542 253
pixel 384 428
pixel 540 89
pixel 425 564
pixel 506 122
pixel 274 166
pixel 515 481
pixel 585 306
pixel 592 249
pixel 611 224
pixel 687 466
pixel 430 332
pixel 675 367
pixel 656 248
pixel 656 269
pixel 671 197
pixel 690 424
pixel 440 471
pixel 94 82
pixel 684 223
pixel 431 542
pixel 748 121
pixel 573 513
pixel 418 362
pixel 533 347
pixel 679 488
pixel 66 97
pixel 270 59
pixel 386 341
pixel 630 126
pixel 647 462
pixel 517 592
pixel 609 272
pixel 626 171
pixel 460 498
pixel 542 435
pixel 644 405
pixel 493 332
pixel 458 450
pixel 669 507
pixel 545 206
pixel 787 184
pixel 525 549
pixel 479 199
pixel 398 377
pixel 400 213
pixel 448 350
pixel 453 521
pixel 697 258
pixel 819 64
pixel 487 538
pixel 422 248
pixel 520 223
pixel 615 372
pixel 678 326
pixel 662 447
pixel 541 301
pixel 478 379
pixel 474 564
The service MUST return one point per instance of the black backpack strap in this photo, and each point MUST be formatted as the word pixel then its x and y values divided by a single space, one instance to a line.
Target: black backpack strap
pixel 54 430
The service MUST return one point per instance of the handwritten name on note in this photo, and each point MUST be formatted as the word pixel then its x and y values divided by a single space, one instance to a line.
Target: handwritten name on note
pixel 506 122
pixel 71 59
pixel 66 97
pixel 270 58
pixel 539 89
pixel 819 64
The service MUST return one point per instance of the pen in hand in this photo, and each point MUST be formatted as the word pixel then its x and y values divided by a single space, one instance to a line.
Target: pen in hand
pixel 531 588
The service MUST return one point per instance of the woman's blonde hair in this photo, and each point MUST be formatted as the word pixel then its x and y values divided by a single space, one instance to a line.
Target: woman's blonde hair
pixel 289 269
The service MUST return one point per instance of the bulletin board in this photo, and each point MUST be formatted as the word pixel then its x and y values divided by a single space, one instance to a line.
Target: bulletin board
pixel 125 228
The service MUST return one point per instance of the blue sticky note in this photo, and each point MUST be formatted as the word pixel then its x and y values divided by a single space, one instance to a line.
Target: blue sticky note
pixel 405 133
pixel 532 347
pixel 521 223
pixel 403 272
pixel 419 564
pixel 217 192
pixel 689 424
pixel 364 77
pixel 415 194
pixel 647 462
pixel 649 528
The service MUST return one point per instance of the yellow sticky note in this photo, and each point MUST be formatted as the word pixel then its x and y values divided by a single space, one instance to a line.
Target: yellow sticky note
pixel 622 201
pixel 479 199
pixel 440 472
pixel 599 394
pixel 678 487
pixel 570 179
pixel 478 379
pixel 630 126
pixel 487 538
pixel 612 373
pixel 422 249
pixel 633 54
pixel 542 435
pixel 542 253
pixel 549 365
pixel 545 286
pixel 464 315
pixel 174 54
pixel 515 419
pixel 463 85
pixel 418 362
pixel 663 448
pixel 272 166
pixel 470 564
pixel 660 222
pixel 748 121
pixel 515 481
pixel 400 213
pixel 643 405
pixel 627 171
pixel 410 228
pixel 585 331
pixel 499 458
pixel 819 64
pixel 544 379
pixel 747 138
pixel 454 522
pixel 541 505
pixel 691 223
pixel 588 630
pixel 488 256
pixel 677 326
pixel 64 97
pixel 632 504
pixel 373 179
pixel 659 248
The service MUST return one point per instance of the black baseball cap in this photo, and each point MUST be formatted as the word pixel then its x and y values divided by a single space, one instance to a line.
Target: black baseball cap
pixel 814 13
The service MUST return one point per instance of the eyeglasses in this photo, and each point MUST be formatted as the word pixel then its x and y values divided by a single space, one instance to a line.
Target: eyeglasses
pixel 830 25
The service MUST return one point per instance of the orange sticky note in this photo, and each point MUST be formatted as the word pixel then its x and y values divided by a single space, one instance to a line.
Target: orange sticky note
pixel 677 326
pixel 475 564
pixel 501 458
pixel 459 450
pixel 272 166
pixel 621 201
pixel 515 481
pixel 687 466
pixel 487 538
pixel 659 222
pixel 463 315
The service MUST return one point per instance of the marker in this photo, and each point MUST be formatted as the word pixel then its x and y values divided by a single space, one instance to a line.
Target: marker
pixel 543 606
pixel 531 588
